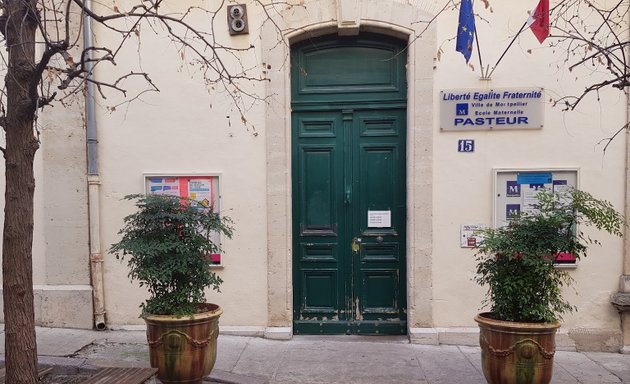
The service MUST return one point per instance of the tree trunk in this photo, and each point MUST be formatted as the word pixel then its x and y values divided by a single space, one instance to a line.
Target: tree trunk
pixel 21 145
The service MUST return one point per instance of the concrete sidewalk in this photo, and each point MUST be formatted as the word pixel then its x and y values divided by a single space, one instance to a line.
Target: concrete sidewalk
pixel 315 359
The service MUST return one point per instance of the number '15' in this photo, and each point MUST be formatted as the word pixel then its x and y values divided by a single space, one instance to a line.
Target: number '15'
pixel 466 145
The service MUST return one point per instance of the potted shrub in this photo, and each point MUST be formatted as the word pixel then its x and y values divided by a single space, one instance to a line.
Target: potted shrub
pixel 167 245
pixel 516 263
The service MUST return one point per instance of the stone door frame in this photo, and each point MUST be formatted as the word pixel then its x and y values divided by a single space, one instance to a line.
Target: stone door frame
pixel 349 17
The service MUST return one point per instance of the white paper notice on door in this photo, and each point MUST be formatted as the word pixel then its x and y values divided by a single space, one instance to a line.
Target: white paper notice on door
pixel 379 219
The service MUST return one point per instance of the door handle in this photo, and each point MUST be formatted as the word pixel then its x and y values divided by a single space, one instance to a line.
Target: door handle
pixel 348 199
pixel 356 244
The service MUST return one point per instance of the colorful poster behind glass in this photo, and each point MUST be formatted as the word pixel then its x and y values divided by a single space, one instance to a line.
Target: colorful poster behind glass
pixel 202 189
pixel 163 186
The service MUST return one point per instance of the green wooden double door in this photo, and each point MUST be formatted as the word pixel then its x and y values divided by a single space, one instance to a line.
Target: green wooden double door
pixel 349 186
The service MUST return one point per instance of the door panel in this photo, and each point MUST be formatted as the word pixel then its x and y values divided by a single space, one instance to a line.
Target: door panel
pixel 318 207
pixel 379 173
pixel 380 291
pixel 320 291
pixel 318 170
pixel 348 69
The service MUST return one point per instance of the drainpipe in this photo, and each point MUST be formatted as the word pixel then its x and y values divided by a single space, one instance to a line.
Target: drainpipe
pixel 626 264
pixel 94 183
pixel 621 300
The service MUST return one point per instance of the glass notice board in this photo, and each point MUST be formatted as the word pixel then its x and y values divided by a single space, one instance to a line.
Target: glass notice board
pixel 515 193
pixel 204 189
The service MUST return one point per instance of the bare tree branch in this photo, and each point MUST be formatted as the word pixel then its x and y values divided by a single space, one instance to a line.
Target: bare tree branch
pixel 45 63
pixel 593 38
pixel 610 139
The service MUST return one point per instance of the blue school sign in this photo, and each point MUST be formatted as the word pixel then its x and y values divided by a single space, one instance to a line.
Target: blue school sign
pixel 484 109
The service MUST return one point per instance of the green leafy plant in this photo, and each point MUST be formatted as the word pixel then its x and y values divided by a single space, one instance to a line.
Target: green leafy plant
pixel 166 243
pixel 516 262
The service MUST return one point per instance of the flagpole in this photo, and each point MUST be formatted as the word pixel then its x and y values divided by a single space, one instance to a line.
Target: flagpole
pixel 479 52
pixel 508 47
pixel 477 42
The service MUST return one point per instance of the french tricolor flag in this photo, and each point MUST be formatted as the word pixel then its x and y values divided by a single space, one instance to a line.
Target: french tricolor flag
pixel 538 20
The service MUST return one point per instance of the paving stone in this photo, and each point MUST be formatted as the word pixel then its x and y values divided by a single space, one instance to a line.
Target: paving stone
pixel 257 368
pixel 219 376
pixel 370 353
pixel 261 358
pixel 616 363
pixel 346 373
pixel 229 350
pixel 125 337
pixel 562 376
pixel 583 368
pixel 61 341
pixel 447 365
pixel 473 354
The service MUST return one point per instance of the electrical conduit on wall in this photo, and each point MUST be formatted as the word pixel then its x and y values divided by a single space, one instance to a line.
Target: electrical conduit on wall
pixel 626 259
pixel 621 300
pixel 96 257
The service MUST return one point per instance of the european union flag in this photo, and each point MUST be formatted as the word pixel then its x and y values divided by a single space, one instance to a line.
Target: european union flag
pixel 465 29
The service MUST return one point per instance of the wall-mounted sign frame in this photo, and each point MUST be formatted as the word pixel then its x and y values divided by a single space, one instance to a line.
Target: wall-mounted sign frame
pixel 202 188
pixel 480 109
pixel 515 193
pixel 471 235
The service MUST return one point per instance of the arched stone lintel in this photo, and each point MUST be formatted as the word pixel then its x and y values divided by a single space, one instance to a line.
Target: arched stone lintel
pixel 327 28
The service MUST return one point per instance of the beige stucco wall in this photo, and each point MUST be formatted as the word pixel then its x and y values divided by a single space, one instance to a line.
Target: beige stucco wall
pixel 191 133
pixel 190 128
pixel 62 291
pixel 463 182
pixel 187 129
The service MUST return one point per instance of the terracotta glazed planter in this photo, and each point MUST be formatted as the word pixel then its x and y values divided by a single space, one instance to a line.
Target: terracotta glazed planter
pixel 516 353
pixel 184 349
